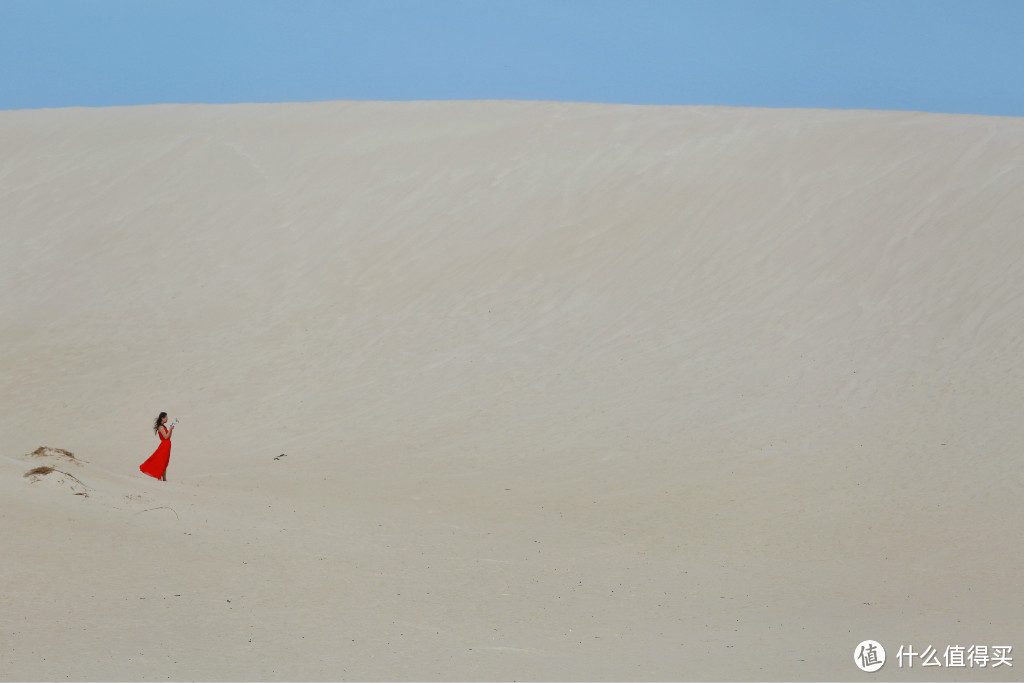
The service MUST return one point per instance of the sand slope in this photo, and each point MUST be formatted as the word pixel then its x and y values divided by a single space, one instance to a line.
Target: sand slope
pixel 566 391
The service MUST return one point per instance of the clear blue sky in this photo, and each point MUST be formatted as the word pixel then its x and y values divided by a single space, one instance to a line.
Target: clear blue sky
pixel 954 56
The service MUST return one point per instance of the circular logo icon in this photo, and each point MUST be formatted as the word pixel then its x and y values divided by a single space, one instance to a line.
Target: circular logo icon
pixel 869 656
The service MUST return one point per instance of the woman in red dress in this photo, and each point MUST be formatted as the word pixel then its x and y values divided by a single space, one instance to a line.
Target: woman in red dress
pixel 156 465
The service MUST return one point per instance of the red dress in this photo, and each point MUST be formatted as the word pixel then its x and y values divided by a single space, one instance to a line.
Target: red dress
pixel 156 466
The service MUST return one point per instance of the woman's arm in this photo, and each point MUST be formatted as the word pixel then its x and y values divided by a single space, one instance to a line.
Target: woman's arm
pixel 165 432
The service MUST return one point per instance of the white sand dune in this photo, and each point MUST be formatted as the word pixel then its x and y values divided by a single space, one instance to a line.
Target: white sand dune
pixel 565 391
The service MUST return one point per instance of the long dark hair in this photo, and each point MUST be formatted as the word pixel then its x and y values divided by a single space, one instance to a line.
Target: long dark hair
pixel 156 425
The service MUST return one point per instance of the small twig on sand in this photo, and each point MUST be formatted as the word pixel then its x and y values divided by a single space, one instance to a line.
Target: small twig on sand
pixel 162 507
